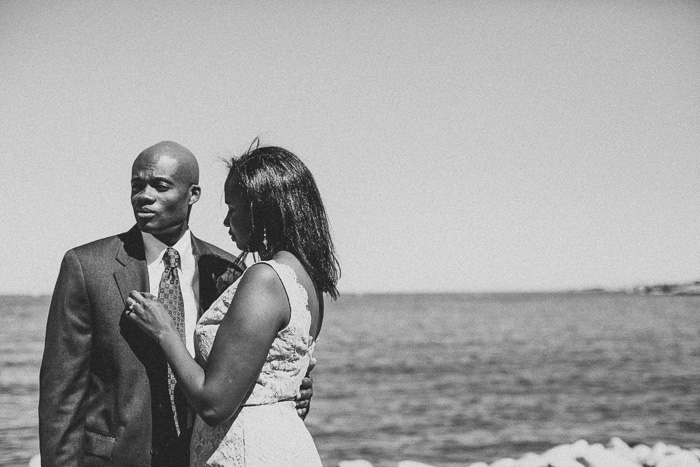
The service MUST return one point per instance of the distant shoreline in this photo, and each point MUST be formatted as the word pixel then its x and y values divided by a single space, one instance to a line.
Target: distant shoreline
pixel 689 288
pixel 680 289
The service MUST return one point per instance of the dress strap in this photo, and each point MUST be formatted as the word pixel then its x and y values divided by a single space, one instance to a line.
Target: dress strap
pixel 296 293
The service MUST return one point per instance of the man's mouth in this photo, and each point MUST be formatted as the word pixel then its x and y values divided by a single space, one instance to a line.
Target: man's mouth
pixel 144 213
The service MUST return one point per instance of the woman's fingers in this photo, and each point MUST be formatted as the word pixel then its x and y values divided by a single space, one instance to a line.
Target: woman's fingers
pixel 136 301
pixel 148 313
pixel 136 296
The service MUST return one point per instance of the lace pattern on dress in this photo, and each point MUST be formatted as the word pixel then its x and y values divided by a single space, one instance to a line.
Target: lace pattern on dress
pixel 245 439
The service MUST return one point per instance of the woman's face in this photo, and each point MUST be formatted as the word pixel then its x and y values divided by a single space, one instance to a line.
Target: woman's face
pixel 238 220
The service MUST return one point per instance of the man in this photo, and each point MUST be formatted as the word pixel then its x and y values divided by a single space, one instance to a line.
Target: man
pixel 105 397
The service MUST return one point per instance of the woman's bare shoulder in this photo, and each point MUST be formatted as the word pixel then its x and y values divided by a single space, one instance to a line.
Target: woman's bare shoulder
pixel 288 259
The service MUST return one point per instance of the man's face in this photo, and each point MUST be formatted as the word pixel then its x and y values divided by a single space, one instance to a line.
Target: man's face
pixel 161 196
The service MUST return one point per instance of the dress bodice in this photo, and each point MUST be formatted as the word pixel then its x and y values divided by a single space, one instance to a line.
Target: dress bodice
pixel 289 355
pixel 266 431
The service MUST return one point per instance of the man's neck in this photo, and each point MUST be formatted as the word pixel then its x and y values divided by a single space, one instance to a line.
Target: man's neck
pixel 154 247
pixel 171 238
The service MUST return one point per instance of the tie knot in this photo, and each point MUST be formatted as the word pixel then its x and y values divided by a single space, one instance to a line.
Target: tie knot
pixel 171 258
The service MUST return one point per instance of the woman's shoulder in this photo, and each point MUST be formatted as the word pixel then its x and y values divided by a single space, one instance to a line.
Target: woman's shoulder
pixel 273 277
pixel 285 258
pixel 261 293
pixel 300 276
pixel 261 275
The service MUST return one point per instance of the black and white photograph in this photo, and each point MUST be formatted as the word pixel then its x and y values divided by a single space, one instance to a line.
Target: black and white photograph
pixel 451 233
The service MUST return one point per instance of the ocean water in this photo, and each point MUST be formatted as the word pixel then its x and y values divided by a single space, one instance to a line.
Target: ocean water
pixel 453 379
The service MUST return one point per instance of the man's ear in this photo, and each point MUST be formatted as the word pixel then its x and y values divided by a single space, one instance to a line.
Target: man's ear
pixel 195 192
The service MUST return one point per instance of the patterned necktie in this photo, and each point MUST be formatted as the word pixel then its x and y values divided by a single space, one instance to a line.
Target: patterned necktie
pixel 170 295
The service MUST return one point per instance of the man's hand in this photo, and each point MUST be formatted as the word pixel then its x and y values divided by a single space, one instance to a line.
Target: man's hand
pixel 306 390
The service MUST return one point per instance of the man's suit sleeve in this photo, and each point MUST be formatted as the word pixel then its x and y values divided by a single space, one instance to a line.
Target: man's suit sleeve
pixel 65 368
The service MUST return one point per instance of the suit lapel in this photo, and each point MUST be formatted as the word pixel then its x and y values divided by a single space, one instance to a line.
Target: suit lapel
pixel 210 265
pixel 199 249
pixel 134 273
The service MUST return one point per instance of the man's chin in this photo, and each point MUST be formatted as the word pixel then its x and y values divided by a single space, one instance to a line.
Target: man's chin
pixel 144 226
pixel 150 228
pixel 169 236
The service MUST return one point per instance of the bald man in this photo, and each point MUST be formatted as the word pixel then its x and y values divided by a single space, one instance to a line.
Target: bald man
pixel 104 396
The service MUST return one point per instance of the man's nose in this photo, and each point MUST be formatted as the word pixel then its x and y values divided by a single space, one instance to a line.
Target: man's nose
pixel 147 195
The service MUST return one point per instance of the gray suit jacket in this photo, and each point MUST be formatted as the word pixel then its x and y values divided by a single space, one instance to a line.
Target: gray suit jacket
pixel 103 382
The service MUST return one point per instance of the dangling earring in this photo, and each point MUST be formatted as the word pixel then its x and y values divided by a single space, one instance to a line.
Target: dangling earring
pixel 265 238
pixel 248 247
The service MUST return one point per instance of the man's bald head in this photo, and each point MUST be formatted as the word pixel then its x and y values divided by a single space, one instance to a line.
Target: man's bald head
pixel 187 166
pixel 164 186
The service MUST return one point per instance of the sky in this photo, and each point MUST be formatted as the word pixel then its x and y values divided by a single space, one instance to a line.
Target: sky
pixel 459 146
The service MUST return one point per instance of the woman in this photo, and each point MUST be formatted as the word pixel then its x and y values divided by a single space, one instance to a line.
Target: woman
pixel 255 342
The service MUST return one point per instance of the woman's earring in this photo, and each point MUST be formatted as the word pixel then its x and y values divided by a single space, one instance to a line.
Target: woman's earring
pixel 265 238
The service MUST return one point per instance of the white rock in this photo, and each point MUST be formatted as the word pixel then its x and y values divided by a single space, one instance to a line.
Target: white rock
pixel 643 453
pixel 563 462
pixel 412 464
pixel 673 449
pixel 563 451
pixel 679 459
pixel 658 452
pixel 580 447
pixel 617 443
pixel 598 456
pixel 355 463
pixel 660 447
pixel 531 460
pixel 505 462
pixel 621 448
pixel 696 451
pixel 35 461
pixel 563 455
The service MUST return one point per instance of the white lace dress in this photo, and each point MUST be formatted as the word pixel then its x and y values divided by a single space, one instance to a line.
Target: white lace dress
pixel 267 431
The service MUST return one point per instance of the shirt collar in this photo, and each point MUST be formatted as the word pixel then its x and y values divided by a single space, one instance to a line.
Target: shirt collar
pixel 155 249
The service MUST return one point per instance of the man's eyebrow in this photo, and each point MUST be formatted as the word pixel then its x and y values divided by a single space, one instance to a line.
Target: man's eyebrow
pixel 153 179
pixel 161 179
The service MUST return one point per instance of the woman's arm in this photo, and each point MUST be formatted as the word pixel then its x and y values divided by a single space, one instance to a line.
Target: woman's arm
pixel 259 310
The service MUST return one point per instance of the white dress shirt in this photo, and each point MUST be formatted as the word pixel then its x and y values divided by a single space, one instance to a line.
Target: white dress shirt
pixel 187 272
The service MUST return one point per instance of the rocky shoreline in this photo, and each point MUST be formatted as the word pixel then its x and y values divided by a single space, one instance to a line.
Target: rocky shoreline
pixel 615 453
pixel 686 288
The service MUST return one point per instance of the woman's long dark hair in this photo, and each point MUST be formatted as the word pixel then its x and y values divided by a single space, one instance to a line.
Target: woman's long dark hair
pixel 286 210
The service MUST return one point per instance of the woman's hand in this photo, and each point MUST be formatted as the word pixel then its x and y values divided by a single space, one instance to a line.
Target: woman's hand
pixel 150 315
